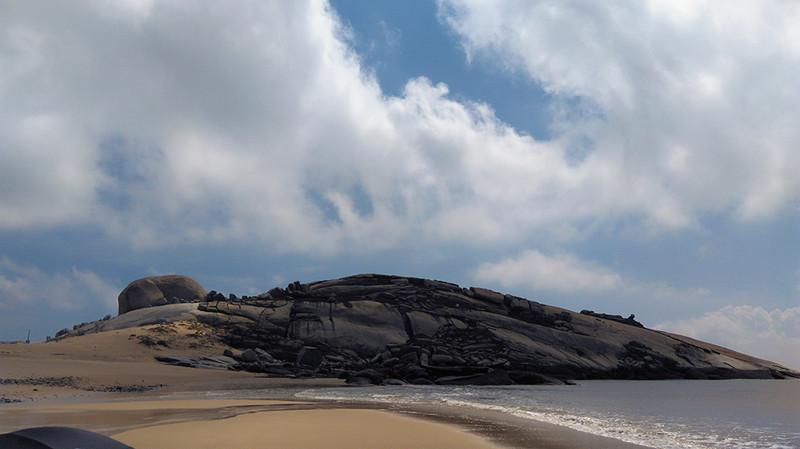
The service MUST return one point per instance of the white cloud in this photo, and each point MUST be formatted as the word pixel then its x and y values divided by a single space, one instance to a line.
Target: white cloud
pixel 262 127
pixel 28 288
pixel 561 273
pixel 694 102
pixel 175 122
pixel 772 335
pixel 589 281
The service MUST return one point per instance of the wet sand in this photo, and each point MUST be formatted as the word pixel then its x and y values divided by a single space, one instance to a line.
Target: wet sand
pixel 314 428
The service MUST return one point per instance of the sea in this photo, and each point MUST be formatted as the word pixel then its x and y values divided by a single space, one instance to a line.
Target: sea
pixel 682 414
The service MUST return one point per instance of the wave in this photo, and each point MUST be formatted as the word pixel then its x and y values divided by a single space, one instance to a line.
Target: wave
pixel 574 409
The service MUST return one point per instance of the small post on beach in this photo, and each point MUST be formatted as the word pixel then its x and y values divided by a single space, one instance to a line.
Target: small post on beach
pixel 28 340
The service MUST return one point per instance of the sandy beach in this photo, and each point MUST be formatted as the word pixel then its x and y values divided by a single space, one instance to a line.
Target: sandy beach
pixel 110 383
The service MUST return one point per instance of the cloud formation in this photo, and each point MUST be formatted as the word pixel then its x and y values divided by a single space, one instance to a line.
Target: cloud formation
pixel 204 122
pixel 774 335
pixel 690 105
pixel 562 272
pixel 23 286
pixel 43 301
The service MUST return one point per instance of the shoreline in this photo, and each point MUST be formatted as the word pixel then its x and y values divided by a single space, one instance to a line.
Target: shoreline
pixel 136 416
pixel 105 382
pixel 516 432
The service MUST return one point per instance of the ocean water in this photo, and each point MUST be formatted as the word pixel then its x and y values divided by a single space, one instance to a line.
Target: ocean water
pixel 736 414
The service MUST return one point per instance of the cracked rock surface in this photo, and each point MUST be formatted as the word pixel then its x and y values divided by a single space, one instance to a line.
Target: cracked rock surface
pixel 372 328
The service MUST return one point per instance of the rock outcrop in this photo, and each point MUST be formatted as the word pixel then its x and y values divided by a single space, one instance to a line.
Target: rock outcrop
pixel 374 328
pixel 159 291
pixel 377 328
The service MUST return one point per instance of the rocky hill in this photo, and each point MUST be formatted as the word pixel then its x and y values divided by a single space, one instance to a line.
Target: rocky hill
pixel 374 328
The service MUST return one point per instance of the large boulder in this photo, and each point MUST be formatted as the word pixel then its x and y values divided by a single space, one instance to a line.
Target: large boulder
pixel 159 291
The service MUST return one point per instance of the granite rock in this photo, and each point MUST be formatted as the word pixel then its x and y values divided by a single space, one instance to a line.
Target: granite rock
pixel 159 291
pixel 373 329
pixel 369 328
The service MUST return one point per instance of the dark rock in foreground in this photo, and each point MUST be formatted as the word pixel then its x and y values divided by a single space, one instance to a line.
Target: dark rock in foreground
pixel 58 438
pixel 389 329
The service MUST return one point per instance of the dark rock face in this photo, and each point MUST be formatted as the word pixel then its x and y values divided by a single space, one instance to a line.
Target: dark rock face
pixel 158 291
pixel 618 318
pixel 388 329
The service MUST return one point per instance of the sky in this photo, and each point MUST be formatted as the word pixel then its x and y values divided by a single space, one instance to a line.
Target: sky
pixel 628 157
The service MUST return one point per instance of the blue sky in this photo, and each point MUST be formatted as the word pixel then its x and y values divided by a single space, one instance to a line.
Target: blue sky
pixel 626 156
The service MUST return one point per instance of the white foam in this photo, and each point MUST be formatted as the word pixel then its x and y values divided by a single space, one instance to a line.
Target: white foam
pixel 555 407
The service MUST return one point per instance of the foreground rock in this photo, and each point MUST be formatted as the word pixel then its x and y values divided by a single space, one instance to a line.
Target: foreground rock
pixel 58 437
pixel 373 329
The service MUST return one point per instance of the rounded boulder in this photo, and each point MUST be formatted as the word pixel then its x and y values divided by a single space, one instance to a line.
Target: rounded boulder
pixel 158 291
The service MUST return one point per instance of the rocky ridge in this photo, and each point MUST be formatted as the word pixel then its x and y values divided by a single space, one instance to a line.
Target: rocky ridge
pixel 374 328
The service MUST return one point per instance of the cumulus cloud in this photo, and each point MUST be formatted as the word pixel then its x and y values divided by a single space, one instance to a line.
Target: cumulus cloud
pixel 174 122
pixel 209 122
pixel 690 104
pixel 562 272
pixel 24 287
pixel 772 335
pixel 588 281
